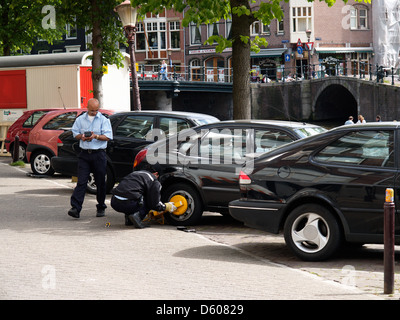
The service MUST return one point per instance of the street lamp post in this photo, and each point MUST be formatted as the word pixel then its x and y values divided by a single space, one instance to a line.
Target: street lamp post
pixel 128 14
pixel 308 33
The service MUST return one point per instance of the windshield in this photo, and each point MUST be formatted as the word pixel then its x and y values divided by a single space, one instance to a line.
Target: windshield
pixel 309 131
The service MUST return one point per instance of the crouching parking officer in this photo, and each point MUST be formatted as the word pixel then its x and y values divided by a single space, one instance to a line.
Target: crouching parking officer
pixel 136 194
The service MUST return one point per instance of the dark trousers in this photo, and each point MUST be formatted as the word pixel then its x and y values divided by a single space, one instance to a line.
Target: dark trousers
pixel 96 163
pixel 129 207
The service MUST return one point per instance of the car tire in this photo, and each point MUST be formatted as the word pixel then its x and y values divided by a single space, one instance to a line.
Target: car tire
pixel 194 211
pixel 91 185
pixel 21 152
pixel 40 163
pixel 312 232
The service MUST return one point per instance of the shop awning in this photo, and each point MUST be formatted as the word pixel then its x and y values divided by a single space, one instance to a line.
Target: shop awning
pixel 273 52
pixel 343 49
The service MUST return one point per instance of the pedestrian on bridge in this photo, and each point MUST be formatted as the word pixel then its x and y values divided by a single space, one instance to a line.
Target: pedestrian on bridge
pixel 349 121
pixel 163 70
pixel 361 119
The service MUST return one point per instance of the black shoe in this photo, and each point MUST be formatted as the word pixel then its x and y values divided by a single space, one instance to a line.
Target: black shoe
pixel 100 213
pixel 127 221
pixel 73 212
pixel 137 222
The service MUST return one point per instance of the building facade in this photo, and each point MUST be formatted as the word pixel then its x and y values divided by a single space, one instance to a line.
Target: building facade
pixel 312 40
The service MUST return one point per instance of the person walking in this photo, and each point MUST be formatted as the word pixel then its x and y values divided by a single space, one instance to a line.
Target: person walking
pixel 163 70
pixel 136 194
pixel 93 130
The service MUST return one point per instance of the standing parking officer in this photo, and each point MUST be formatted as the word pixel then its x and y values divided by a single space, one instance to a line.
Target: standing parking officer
pixel 93 130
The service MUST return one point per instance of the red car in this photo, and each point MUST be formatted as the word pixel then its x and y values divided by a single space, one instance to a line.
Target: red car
pixel 43 137
pixel 21 128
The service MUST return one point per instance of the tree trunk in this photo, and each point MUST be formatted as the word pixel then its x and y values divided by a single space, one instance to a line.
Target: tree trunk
pixel 97 63
pixel 241 63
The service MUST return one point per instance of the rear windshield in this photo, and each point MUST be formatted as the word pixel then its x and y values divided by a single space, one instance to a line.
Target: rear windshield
pixel 62 121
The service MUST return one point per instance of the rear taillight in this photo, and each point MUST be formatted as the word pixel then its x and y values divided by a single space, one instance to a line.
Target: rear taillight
pixel 59 142
pixel 139 157
pixel 244 178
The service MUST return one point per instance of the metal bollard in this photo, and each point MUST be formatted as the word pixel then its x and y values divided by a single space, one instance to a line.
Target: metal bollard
pixel 389 242
pixel 16 149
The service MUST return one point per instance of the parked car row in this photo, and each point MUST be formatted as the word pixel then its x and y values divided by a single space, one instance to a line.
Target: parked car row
pixel 319 188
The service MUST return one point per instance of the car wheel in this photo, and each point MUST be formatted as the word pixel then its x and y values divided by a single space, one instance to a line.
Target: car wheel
pixel 91 185
pixel 21 152
pixel 40 163
pixel 312 232
pixel 194 210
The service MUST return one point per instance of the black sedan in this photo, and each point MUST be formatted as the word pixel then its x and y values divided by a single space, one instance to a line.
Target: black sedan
pixel 324 190
pixel 131 132
pixel 202 164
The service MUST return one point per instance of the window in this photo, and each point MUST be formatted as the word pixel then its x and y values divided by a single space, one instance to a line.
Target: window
pixel 363 19
pixel 31 121
pixel 228 29
pixel 280 25
pixel 267 140
pixel 65 120
pixel 364 148
pixel 72 31
pixel 213 29
pixel 135 127
pixel 195 70
pixel 255 28
pixel 140 37
pixel 172 126
pixel 152 34
pixel 195 34
pixel 224 146
pixel 358 18
pixel 353 18
pixel 359 62
pixel 175 38
pixel 266 29
pixel 302 19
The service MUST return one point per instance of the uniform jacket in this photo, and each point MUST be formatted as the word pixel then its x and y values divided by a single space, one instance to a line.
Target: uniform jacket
pixel 138 184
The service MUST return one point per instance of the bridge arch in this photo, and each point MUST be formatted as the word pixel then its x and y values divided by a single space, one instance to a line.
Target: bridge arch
pixel 335 102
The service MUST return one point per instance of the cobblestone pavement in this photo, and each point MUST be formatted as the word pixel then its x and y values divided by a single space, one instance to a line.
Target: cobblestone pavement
pixel 48 255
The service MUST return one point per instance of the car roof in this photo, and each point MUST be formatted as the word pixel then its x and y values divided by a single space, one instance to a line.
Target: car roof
pixel 185 114
pixel 278 123
pixel 370 125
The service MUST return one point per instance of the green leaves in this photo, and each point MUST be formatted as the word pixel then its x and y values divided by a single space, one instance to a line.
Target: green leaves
pixel 222 43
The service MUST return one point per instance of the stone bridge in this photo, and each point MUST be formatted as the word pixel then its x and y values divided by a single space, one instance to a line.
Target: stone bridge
pixel 331 99
pixel 328 99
